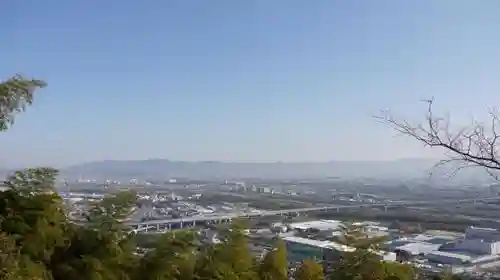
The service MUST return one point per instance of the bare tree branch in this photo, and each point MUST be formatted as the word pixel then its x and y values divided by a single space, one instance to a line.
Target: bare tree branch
pixel 470 146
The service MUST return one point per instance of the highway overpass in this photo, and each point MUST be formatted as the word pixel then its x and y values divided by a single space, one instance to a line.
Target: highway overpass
pixel 167 224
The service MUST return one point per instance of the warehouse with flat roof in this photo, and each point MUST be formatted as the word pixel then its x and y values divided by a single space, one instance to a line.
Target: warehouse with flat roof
pixel 300 248
pixel 318 225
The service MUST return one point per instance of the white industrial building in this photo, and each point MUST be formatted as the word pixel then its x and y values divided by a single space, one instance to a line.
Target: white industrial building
pixel 479 247
pixel 318 225
pixel 459 258
pixel 334 227
pixel 417 245
pixel 481 241
pixel 482 233
pixel 306 248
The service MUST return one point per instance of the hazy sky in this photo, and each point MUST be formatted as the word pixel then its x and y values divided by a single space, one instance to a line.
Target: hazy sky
pixel 258 80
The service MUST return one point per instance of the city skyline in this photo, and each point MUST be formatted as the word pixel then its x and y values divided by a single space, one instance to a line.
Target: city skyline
pixel 262 81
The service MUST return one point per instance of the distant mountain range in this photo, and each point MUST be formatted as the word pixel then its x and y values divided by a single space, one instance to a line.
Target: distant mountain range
pixel 164 169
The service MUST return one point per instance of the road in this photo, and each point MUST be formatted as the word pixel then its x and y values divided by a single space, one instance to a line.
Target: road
pixel 299 210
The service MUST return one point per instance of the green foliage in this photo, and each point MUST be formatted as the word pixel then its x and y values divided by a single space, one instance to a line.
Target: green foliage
pixel 15 94
pixel 309 270
pixel 9 258
pixel 173 258
pixel 32 217
pixel 33 180
pixel 446 275
pixel 229 260
pixel 107 215
pixel 275 266
pixel 102 250
pixel 398 271
pixel 363 261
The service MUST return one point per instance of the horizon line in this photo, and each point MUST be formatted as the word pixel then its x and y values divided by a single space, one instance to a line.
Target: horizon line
pixel 262 161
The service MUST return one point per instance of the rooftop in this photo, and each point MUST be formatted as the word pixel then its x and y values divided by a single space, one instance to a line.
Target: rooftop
pixel 420 243
pixel 439 240
pixel 425 238
pixel 317 243
pixel 483 229
pixel 434 239
pixel 456 255
pixel 417 248
pixel 320 225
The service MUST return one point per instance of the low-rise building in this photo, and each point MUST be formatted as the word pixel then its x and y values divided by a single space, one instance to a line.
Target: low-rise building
pixel 417 245
pixel 320 225
pixel 478 248
pixel 327 252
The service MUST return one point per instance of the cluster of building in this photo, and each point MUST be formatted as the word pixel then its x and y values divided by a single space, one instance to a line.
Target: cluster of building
pixel 173 209
pixel 253 188
pixel 473 252
pixel 76 199
pixel 478 249
pixel 243 187
pixel 318 245
pixel 157 197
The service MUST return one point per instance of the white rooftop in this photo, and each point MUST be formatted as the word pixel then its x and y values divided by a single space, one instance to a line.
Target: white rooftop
pixel 428 239
pixel 418 248
pixel 320 225
pixel 483 228
pixel 463 257
pixel 332 246
pixel 317 243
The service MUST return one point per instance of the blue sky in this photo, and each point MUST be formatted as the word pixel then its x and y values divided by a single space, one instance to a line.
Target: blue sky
pixel 259 80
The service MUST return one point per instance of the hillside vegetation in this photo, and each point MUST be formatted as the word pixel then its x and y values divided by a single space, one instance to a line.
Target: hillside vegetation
pixel 37 241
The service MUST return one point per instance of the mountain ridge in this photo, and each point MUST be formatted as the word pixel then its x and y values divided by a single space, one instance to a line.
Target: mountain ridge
pixel 166 168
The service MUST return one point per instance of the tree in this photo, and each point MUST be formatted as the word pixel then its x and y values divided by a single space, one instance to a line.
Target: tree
pixel 235 251
pixel 398 271
pixel 33 181
pixel 9 258
pixel 16 94
pixel 230 259
pixel 354 235
pixel 309 270
pixel 107 215
pixel 209 265
pixel 474 145
pixel 274 266
pixel 173 258
pixel 31 221
pixel 33 218
pixel 361 258
pixel 101 250
pixel 446 275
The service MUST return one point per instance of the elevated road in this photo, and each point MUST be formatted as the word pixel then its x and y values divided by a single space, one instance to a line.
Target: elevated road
pixel 230 216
